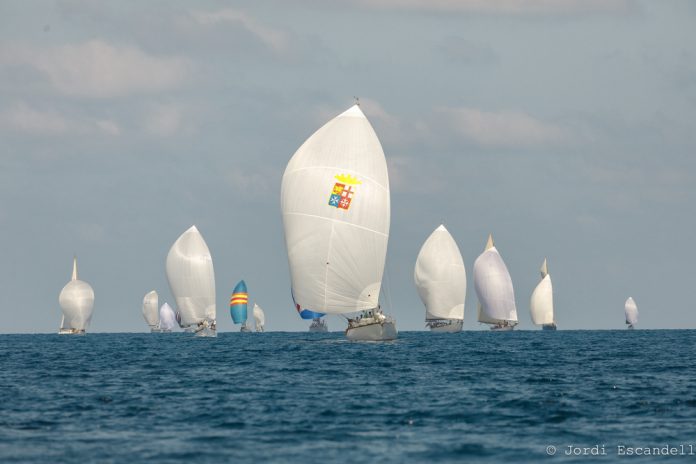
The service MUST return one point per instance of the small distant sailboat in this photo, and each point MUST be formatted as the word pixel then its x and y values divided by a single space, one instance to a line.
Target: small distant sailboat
pixel 318 325
pixel 238 305
pixel 167 318
pixel 336 212
pixel 151 310
pixel 191 278
pixel 440 278
pixel 631 310
pixel 541 304
pixel 76 300
pixel 494 290
pixel 259 318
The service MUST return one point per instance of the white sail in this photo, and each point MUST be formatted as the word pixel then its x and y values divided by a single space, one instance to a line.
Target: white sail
pixel 150 308
pixel 440 277
pixel 76 300
pixel 167 318
pixel 259 316
pixel 192 278
pixel 541 304
pixel 631 311
pixel 335 206
pixel 494 288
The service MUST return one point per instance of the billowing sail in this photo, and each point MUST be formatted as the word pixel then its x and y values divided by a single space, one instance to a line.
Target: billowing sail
pixel 192 278
pixel 76 300
pixel 631 311
pixel 150 309
pixel 440 277
pixel 335 206
pixel 259 317
pixel 238 303
pixel 494 287
pixel 541 304
pixel 167 318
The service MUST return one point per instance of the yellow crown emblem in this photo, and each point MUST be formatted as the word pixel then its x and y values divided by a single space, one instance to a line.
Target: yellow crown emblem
pixel 348 179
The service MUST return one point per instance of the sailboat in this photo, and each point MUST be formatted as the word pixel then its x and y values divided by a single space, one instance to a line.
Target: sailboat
pixel 631 311
pixel 494 290
pixel 151 311
pixel 167 318
pixel 440 278
pixel 191 279
pixel 76 300
pixel 318 325
pixel 238 305
pixel 335 207
pixel 259 318
pixel 541 304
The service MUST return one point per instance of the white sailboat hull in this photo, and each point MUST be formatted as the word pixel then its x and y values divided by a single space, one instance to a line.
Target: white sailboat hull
pixel 450 326
pixel 502 328
pixel 375 331
pixel 318 329
pixel 62 331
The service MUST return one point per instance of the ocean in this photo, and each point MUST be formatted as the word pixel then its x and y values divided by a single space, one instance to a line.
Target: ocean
pixel 521 396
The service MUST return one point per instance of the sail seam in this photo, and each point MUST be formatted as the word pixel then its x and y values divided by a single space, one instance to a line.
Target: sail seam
pixel 337 220
pixel 337 168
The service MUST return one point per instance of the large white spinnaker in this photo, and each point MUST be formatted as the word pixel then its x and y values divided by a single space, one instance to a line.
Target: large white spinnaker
pixel 440 277
pixel 167 318
pixel 259 318
pixel 631 310
pixel 76 300
pixel 335 207
pixel 151 309
pixel 541 304
pixel 494 288
pixel 192 279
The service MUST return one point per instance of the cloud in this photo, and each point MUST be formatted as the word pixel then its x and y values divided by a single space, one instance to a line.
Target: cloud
pixel 505 7
pixel 23 119
pixel 163 120
pixel 499 129
pixel 98 69
pixel 272 38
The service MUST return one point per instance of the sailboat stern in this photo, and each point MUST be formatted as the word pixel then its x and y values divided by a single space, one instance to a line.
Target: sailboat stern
pixel 373 331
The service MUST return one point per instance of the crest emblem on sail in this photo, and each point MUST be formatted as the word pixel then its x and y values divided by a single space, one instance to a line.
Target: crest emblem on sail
pixel 343 191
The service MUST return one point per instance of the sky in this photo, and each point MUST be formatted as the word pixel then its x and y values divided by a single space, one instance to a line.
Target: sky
pixel 565 128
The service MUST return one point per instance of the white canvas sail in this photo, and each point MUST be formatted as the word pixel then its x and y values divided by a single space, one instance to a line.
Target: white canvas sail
pixel 150 308
pixel 541 304
pixel 167 318
pixel 494 287
pixel 631 310
pixel 440 277
pixel 192 278
pixel 259 316
pixel 76 300
pixel 335 207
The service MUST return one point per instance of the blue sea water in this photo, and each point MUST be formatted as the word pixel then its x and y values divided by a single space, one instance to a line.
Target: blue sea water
pixel 317 398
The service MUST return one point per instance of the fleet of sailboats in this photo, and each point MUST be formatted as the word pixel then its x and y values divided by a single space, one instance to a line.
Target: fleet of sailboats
pixel 335 207
pixel 541 304
pixel 631 310
pixel 494 290
pixel 76 301
pixel 191 278
pixel 440 278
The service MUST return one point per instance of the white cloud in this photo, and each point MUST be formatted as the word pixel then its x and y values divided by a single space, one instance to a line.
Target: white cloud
pixel 99 69
pixel 272 38
pixel 23 119
pixel 163 120
pixel 502 129
pixel 508 7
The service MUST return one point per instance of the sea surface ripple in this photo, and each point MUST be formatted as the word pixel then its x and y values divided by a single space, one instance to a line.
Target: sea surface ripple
pixel 316 398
